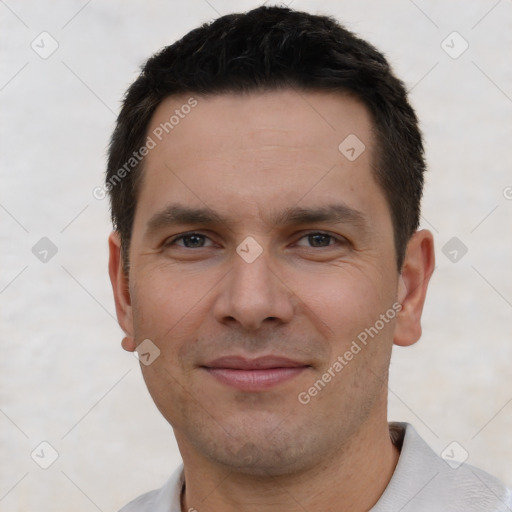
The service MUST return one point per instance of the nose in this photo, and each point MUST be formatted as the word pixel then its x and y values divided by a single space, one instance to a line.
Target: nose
pixel 252 295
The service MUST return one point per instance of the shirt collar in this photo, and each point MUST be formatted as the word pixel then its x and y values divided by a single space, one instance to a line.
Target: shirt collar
pixel 422 482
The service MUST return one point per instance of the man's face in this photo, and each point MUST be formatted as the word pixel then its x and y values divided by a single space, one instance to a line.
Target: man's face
pixel 318 270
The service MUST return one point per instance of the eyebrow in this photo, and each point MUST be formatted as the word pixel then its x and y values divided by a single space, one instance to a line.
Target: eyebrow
pixel 176 214
pixel 332 213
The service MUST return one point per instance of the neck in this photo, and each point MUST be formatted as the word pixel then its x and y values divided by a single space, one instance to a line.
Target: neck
pixel 353 478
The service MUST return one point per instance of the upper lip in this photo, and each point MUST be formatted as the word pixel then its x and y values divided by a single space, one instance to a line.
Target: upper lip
pixel 259 363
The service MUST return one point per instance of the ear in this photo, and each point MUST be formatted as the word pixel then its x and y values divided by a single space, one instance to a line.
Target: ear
pixel 119 280
pixel 417 268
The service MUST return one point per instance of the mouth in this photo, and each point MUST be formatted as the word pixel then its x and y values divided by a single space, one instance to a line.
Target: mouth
pixel 254 374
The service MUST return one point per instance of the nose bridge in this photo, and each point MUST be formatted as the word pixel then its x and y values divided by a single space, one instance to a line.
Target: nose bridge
pixel 252 293
pixel 252 279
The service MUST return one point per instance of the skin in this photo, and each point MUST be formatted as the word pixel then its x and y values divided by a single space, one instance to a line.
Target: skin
pixel 249 160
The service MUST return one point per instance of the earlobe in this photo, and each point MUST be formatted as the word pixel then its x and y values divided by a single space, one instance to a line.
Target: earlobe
pixel 119 280
pixel 412 287
pixel 128 343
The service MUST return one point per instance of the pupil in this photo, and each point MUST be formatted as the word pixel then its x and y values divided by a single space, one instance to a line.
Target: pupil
pixel 319 240
pixel 193 241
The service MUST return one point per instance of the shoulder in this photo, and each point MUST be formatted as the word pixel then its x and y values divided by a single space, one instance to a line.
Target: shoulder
pixel 143 503
pixel 165 499
pixel 424 482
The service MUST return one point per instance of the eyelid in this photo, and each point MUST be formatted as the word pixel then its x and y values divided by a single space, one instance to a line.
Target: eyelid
pixel 173 239
pixel 338 238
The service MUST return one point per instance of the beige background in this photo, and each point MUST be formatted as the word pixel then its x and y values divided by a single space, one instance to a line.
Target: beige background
pixel 63 376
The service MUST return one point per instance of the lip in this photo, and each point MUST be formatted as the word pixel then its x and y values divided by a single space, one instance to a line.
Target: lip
pixel 254 374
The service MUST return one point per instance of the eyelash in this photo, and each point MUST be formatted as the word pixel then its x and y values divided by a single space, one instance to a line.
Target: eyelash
pixel 338 240
pixel 185 235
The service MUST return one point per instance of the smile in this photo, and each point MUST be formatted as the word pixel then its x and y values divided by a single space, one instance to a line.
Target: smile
pixel 254 374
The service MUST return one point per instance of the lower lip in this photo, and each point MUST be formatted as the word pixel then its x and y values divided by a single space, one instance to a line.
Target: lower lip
pixel 255 380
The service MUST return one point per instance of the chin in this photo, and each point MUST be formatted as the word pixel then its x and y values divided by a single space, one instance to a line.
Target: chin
pixel 263 460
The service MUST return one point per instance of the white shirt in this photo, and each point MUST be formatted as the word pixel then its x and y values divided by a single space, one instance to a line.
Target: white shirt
pixel 422 482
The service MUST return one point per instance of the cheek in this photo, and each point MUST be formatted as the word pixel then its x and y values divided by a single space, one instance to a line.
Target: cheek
pixel 163 305
pixel 165 301
pixel 360 339
pixel 346 300
pixel 168 308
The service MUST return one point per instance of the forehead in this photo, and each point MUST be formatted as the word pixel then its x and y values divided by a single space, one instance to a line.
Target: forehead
pixel 266 119
pixel 265 149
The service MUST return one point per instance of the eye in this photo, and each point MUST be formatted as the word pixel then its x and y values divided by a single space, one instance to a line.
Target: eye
pixel 318 239
pixel 191 241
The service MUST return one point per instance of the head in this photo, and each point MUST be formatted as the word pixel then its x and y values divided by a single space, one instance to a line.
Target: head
pixel 273 48
pixel 265 177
